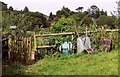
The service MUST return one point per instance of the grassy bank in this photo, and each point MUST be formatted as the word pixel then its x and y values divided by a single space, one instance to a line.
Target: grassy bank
pixel 102 63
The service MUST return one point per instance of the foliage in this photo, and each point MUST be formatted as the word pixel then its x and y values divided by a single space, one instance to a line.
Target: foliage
pixel 11 8
pixel 13 69
pixel 117 22
pixel 54 63
pixel 106 20
pixel 29 21
pixel 78 17
pixel 79 9
pixel 63 25
pixel 103 12
pixel 51 17
pixel 95 37
pixel 26 9
pixel 63 12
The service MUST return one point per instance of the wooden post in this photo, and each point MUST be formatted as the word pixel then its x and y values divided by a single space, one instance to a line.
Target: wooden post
pixel 32 55
pixel 35 42
pixel 102 32
pixel 72 37
pixel 30 48
pixel 24 50
pixel 27 48
pixel 111 35
pixel 21 50
pixel 86 31
pixel 23 46
pixel 9 46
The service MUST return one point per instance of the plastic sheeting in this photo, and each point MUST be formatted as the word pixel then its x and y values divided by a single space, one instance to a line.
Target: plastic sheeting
pixel 70 46
pixel 65 48
pixel 86 42
pixel 80 46
pixel 83 44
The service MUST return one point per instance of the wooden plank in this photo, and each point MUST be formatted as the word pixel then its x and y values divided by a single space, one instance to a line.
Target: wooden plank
pixel 72 33
pixel 47 46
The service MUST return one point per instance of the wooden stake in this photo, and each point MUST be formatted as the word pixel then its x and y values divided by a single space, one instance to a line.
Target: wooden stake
pixel 35 42
pixel 9 46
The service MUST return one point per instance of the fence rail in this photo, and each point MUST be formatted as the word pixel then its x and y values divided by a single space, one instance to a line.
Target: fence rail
pixel 47 46
pixel 73 33
pixel 65 33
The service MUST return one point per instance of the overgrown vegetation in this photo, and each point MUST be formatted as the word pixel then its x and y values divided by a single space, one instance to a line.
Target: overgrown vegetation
pixel 100 63
pixel 25 21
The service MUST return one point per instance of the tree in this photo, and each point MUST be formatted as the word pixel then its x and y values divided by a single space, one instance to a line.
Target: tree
pixel 50 14
pixel 26 9
pixel 78 17
pixel 86 12
pixel 72 13
pixel 87 21
pixel 62 25
pixel 50 17
pixel 95 11
pixel 106 20
pixel 23 20
pixel 79 9
pixel 58 13
pixel 103 13
pixel 11 8
pixel 64 11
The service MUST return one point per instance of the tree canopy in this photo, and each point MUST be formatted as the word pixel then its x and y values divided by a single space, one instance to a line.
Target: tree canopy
pixel 11 8
pixel 26 20
pixel 26 9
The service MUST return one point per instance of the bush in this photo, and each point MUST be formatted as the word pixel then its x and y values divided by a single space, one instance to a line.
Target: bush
pixel 63 25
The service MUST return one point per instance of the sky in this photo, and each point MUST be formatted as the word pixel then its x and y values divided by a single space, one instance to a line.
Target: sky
pixel 47 6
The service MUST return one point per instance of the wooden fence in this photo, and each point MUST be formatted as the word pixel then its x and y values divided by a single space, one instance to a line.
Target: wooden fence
pixel 5 46
pixel 19 48
pixel 65 33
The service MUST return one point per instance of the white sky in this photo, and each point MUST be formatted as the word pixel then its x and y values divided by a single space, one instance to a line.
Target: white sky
pixel 47 6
